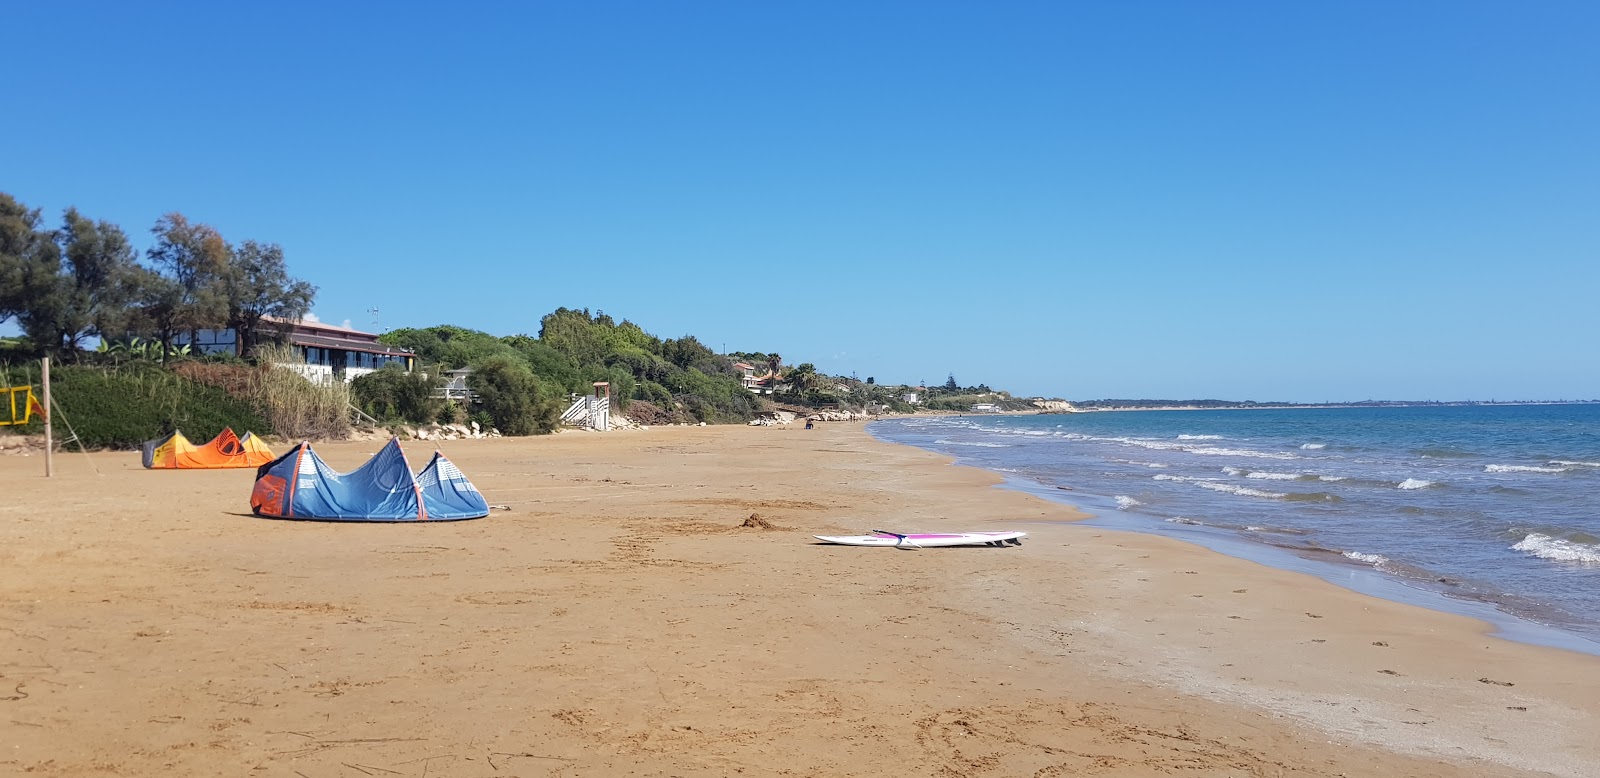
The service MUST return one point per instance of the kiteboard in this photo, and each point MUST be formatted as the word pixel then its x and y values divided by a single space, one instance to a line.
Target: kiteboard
pixel 926 540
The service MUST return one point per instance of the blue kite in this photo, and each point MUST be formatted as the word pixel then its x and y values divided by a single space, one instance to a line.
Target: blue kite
pixel 299 485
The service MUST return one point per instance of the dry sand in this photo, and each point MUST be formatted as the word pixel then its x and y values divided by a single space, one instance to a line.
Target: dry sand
pixel 617 620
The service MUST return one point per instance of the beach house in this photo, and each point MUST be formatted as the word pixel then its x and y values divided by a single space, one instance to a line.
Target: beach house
pixel 756 384
pixel 323 353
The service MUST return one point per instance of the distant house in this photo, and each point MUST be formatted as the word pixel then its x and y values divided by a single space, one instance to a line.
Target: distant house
pixel 985 408
pixel 911 398
pixel 762 384
pixel 324 352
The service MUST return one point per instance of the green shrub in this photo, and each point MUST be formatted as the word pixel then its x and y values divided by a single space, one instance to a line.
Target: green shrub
pixel 394 394
pixel 513 398
pixel 126 406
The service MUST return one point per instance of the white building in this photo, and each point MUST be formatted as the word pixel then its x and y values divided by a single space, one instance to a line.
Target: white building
pixel 325 352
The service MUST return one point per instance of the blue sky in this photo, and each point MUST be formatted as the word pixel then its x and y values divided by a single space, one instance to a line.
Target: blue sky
pixel 1270 201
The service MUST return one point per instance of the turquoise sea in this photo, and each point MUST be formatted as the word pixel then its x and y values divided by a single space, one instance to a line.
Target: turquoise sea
pixel 1496 505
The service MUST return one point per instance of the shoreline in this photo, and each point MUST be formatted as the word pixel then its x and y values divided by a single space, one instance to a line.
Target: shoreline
pixel 618 619
pixel 1359 579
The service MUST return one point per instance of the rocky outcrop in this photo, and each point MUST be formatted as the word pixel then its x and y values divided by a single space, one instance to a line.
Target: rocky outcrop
pixel 772 419
pixel 446 432
pixel 838 416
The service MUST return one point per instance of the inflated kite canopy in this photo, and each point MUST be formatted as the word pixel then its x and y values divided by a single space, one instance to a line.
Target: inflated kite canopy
pixel 299 485
pixel 225 450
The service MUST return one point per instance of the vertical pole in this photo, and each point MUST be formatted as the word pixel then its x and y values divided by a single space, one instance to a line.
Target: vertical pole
pixel 49 439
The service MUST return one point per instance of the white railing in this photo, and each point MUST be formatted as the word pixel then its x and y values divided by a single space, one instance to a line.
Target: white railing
pixel 592 412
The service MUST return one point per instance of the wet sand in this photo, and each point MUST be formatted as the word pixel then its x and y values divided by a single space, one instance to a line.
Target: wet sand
pixel 618 620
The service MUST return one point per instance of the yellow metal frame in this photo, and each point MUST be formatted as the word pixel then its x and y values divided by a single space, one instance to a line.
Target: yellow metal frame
pixel 11 393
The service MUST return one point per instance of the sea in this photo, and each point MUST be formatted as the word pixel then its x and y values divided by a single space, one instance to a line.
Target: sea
pixel 1488 510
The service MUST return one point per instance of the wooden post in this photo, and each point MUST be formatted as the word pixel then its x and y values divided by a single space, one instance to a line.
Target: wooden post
pixel 49 438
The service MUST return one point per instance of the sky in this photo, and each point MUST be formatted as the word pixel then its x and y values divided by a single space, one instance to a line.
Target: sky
pixel 1244 200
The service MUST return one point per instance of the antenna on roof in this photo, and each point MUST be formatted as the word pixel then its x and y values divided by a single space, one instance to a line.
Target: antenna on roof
pixel 373 311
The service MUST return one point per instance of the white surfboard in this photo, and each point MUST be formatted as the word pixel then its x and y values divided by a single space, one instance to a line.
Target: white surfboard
pixel 927 539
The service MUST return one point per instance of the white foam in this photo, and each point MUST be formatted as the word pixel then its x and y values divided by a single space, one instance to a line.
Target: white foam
pixel 1413 483
pixel 1182 520
pixel 1157 445
pixel 1546 547
pixel 977 443
pixel 1199 437
pixel 1570 463
pixel 1332 477
pixel 1137 463
pixel 1265 476
pixel 1239 490
pixel 1125 502
pixel 1313 446
pixel 1521 469
pixel 1239 452
pixel 1371 559
pixel 1184 478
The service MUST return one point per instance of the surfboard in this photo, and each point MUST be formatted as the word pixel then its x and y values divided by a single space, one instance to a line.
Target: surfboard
pixel 926 540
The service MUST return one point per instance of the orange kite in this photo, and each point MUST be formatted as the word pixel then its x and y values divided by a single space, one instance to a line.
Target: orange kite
pixel 225 450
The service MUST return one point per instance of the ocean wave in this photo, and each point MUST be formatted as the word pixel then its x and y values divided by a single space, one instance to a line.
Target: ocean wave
pixel 975 443
pixel 1183 478
pixel 1242 491
pixel 1182 520
pixel 1413 483
pixel 1371 559
pixel 1239 452
pixel 1137 463
pixel 1522 469
pixel 1443 453
pixel 1571 463
pixel 1556 549
pixel 1157 445
pixel 1199 437
pixel 1313 497
pixel 1263 475
pixel 1313 446
pixel 1125 502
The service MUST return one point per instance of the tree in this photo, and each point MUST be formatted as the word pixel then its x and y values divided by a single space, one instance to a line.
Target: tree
pixel 688 351
pixel 158 307
pixel 102 278
pixel 511 395
pixel 258 285
pixel 573 333
pixel 950 384
pixel 196 259
pixel 29 262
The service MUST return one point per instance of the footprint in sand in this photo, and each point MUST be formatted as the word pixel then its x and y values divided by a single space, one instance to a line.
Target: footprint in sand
pixel 1496 683
pixel 1390 672
pixel 1380 643
pixel 1312 615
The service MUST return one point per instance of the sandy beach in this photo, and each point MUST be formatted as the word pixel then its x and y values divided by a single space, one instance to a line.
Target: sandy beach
pixel 616 619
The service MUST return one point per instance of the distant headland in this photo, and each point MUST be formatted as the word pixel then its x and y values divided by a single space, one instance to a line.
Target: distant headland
pixel 1211 405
